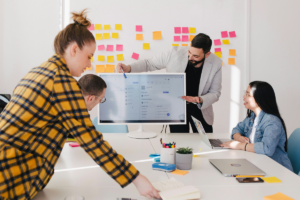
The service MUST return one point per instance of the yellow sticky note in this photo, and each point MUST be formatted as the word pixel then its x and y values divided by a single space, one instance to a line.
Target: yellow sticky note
pixel 191 37
pixel 110 59
pixel 115 35
pixel 231 61
pixel 106 27
pixel 110 68
pixel 100 68
pixel 92 59
pixel 192 30
pixel 106 36
pixel 146 46
pixel 272 179
pixel 185 45
pixel 232 52
pixel 157 35
pixel 225 41
pixel 179 172
pixel 120 57
pixel 101 58
pixel 139 36
pixel 175 45
pixel 98 26
pixel 278 196
pixel 118 27
pixel 90 68
pixel 98 36
pixel 219 54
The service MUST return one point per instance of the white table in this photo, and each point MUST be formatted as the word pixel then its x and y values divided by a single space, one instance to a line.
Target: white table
pixel 77 173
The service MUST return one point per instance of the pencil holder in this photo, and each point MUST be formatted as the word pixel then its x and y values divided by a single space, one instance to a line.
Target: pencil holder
pixel 167 155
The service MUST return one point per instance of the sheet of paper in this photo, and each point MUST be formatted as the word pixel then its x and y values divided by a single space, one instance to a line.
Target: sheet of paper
pixel 100 68
pixel 272 179
pixel 139 28
pixel 146 46
pixel 115 35
pixel 92 27
pixel 179 172
pixel 231 61
pixel 110 48
pixel 110 59
pixel 185 30
pixel 89 68
pixel 106 27
pixel 177 39
pixel 225 41
pixel 101 58
pixel 232 34
pixel 167 185
pixel 224 34
pixel 175 45
pixel 219 54
pixel 118 27
pixel 139 36
pixel 101 47
pixel 98 36
pixel 110 68
pixel 177 30
pixel 157 35
pixel 191 37
pixel 192 30
pixel 185 38
pixel 185 192
pixel 120 57
pixel 106 35
pixel 218 50
pixel 135 56
pixel 185 45
pixel 119 47
pixel 232 52
pixel 98 26
pixel 278 196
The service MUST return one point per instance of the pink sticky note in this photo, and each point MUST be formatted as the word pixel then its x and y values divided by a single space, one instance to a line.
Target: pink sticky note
pixel 217 42
pixel 185 29
pixel 101 47
pixel 232 34
pixel 139 28
pixel 119 47
pixel 218 50
pixel 92 27
pixel 224 34
pixel 110 48
pixel 74 144
pixel 177 39
pixel 177 30
pixel 185 38
pixel 135 56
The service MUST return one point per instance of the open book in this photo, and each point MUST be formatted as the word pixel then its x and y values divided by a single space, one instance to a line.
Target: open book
pixel 175 190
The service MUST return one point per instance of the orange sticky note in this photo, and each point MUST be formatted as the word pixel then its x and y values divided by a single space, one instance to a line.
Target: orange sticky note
pixel 115 35
pixel 231 61
pixel 100 68
pixel 219 54
pixel 110 68
pixel 191 37
pixel 232 52
pixel 98 26
pixel 157 35
pixel 110 59
pixel 106 27
pixel 118 27
pixel 192 30
pixel 175 45
pixel 120 57
pixel 106 36
pixel 139 36
pixel 99 36
pixel 179 172
pixel 101 58
pixel 185 45
pixel 89 68
pixel 225 41
pixel 278 196
pixel 146 46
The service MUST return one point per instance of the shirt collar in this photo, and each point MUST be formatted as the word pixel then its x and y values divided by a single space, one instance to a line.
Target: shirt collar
pixel 59 61
pixel 260 116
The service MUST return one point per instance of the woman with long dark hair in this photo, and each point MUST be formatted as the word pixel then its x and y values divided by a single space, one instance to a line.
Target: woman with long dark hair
pixel 263 131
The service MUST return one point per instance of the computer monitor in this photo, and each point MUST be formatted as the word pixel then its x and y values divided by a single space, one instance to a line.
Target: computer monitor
pixel 143 98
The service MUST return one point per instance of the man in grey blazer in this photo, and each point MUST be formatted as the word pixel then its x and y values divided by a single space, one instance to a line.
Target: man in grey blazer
pixel 203 78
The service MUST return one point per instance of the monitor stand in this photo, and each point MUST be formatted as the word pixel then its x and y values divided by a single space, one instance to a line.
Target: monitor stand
pixel 141 134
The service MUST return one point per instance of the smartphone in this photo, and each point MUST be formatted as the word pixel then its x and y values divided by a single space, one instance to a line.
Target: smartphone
pixel 250 180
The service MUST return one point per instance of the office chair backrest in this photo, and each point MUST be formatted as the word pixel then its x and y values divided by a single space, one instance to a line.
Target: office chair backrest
pixel 293 149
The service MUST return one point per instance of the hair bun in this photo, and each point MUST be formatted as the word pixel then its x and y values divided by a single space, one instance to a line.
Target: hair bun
pixel 81 18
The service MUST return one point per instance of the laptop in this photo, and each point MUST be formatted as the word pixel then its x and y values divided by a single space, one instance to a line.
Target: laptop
pixel 213 143
pixel 235 167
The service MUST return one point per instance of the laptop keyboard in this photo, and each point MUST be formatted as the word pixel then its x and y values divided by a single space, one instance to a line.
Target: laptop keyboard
pixel 215 142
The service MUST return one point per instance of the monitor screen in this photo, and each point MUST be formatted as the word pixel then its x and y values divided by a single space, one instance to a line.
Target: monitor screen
pixel 143 98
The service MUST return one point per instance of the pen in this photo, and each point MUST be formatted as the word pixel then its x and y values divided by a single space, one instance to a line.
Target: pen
pixel 123 72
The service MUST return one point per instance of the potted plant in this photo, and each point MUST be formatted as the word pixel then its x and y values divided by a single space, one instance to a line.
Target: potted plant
pixel 184 158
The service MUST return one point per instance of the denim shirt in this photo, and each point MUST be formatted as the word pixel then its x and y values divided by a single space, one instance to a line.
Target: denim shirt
pixel 269 136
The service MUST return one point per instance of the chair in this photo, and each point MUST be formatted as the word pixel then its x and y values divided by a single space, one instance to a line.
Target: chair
pixel 110 128
pixel 293 150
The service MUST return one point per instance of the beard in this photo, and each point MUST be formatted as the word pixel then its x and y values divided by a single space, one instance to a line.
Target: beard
pixel 195 63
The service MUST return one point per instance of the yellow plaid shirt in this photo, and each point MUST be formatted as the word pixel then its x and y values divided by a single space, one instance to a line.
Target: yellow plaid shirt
pixel 47 105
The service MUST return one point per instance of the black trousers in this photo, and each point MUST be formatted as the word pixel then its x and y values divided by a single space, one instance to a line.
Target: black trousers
pixel 191 110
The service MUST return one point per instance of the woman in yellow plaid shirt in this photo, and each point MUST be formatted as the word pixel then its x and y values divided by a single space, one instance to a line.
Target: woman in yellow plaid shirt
pixel 47 105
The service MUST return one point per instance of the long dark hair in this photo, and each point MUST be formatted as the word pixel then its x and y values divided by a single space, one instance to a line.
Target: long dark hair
pixel 264 96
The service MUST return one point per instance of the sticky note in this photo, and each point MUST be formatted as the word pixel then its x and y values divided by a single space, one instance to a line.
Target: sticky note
pixel 115 35
pixel 231 61
pixel 118 27
pixel 177 30
pixel 110 48
pixel 120 57
pixel 92 27
pixel 217 42
pixel 139 28
pixel 99 36
pixel 139 36
pixel 179 172
pixel 232 34
pixel 272 179
pixel 185 38
pixel 110 68
pixel 101 58
pixel 135 56
pixel 185 29
pixel 175 45
pixel 185 45
pixel 106 27
pixel 92 58
pixel 110 59
pixel 106 35
pixel 218 50
pixel 177 39
pixel 89 68
pixel 146 46
pixel 225 41
pixel 232 52
pixel 224 34
pixel 157 35
pixel 191 37
pixel 100 68
pixel 278 196
pixel 192 30
pixel 219 54
pixel 98 26
pixel 119 47
pixel 101 47
pixel 74 144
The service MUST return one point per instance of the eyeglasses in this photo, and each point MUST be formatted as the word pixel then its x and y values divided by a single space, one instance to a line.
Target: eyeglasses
pixel 102 100
pixel 246 94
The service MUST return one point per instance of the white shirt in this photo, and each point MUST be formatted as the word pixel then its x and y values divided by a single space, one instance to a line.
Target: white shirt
pixel 252 135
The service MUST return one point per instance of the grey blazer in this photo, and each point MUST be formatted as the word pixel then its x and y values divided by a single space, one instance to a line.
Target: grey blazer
pixel 175 60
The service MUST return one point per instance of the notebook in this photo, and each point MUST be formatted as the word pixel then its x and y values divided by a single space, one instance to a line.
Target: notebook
pixel 175 190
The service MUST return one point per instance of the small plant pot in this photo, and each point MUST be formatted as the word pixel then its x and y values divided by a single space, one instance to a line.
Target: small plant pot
pixel 184 161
